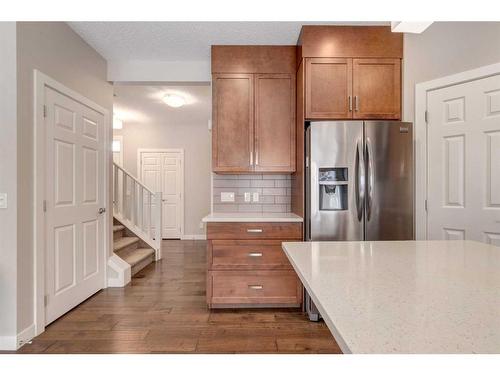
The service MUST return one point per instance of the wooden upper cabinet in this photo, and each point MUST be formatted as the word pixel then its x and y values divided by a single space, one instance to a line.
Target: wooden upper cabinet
pixel 233 122
pixel 328 88
pixel 377 88
pixel 274 123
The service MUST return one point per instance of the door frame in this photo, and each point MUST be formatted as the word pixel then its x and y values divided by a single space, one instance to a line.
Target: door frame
pixel 421 160
pixel 163 150
pixel 41 81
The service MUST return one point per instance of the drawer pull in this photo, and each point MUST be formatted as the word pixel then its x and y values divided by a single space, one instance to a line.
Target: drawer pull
pixel 256 287
pixel 254 231
pixel 253 255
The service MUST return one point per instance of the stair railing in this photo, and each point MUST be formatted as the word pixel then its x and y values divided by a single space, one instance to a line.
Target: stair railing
pixel 137 208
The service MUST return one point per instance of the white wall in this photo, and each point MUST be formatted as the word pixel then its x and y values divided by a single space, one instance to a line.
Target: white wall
pixel 56 50
pixel 8 184
pixel 446 48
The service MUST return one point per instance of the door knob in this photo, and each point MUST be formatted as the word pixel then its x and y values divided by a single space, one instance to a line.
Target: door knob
pixel 102 210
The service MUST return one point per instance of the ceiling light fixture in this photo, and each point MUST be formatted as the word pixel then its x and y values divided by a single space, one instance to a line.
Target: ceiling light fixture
pixel 409 27
pixel 174 101
pixel 117 123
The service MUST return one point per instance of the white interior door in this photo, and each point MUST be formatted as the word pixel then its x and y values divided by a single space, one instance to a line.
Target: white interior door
pixel 163 171
pixel 74 263
pixel 464 161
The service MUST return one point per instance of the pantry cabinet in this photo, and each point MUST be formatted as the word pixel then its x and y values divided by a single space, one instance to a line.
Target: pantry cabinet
pixel 253 109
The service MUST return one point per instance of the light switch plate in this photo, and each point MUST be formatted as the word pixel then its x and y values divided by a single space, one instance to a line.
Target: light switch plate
pixel 227 196
pixel 247 197
pixel 255 197
pixel 3 200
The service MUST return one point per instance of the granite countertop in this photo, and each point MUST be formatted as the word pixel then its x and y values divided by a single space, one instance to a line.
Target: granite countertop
pixel 404 296
pixel 251 217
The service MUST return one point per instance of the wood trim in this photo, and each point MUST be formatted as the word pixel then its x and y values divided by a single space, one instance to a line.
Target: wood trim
pixel 291 167
pixel 253 59
pixel 215 162
pixel 297 190
pixel 350 41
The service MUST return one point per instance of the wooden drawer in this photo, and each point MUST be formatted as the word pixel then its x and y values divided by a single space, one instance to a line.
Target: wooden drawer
pixel 247 254
pixel 248 231
pixel 253 287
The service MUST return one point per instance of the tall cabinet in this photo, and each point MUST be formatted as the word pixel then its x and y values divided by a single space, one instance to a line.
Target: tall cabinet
pixel 344 73
pixel 253 114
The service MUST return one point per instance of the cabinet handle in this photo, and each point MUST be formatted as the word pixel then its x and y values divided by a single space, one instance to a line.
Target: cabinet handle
pixel 350 103
pixel 257 157
pixel 254 230
pixel 356 103
pixel 254 255
pixel 251 157
pixel 255 287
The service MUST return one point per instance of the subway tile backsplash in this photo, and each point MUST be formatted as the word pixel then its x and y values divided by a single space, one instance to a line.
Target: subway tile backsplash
pixel 274 192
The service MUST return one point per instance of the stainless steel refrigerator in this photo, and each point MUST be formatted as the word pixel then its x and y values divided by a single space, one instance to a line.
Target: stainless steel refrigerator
pixel 359 181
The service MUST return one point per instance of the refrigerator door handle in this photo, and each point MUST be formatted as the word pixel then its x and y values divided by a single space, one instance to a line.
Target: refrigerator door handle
pixel 369 179
pixel 359 181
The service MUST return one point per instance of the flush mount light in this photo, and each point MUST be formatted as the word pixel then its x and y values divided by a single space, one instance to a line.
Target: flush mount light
pixel 117 123
pixel 409 27
pixel 174 101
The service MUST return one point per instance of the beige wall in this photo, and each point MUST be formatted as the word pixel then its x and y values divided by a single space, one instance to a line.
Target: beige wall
pixel 8 182
pixel 57 51
pixel 446 48
pixel 195 140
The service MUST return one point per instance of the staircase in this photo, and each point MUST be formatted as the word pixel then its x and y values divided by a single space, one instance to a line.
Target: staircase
pixel 131 249
pixel 137 221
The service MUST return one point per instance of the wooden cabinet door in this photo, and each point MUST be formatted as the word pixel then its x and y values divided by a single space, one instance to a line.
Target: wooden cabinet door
pixel 274 123
pixel 233 122
pixel 328 88
pixel 377 88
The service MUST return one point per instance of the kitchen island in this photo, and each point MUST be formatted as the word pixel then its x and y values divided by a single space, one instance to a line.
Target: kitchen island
pixel 404 296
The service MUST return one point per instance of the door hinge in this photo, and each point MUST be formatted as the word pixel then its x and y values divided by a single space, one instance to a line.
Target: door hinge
pixel 45 300
pixel 307 161
pixel 44 205
pixel 426 115
pixel 44 110
pixel 425 205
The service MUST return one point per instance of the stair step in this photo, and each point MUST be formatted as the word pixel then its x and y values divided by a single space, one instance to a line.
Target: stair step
pixel 137 256
pixel 116 228
pixel 124 242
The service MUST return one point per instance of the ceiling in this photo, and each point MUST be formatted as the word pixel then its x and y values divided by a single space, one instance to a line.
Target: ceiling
pixel 180 41
pixel 136 104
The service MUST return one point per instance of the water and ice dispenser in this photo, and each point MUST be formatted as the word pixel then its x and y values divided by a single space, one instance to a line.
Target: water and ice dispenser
pixel 333 185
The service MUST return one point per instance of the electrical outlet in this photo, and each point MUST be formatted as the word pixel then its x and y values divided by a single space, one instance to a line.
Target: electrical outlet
pixel 227 196
pixel 247 197
pixel 255 197
pixel 202 225
pixel 3 200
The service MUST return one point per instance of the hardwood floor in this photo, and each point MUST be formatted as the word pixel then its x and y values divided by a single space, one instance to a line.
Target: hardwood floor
pixel 163 310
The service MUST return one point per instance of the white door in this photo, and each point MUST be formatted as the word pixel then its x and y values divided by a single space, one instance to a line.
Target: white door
pixel 74 144
pixel 163 171
pixel 464 161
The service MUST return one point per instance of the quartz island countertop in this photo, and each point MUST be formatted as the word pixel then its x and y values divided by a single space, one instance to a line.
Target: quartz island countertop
pixel 404 296
pixel 251 217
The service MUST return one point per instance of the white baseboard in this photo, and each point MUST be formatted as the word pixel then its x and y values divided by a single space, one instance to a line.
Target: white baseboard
pixel 26 335
pixel 119 272
pixel 15 342
pixel 194 237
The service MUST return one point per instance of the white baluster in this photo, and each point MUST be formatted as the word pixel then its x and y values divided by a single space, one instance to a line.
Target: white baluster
pixel 158 224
